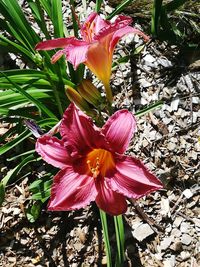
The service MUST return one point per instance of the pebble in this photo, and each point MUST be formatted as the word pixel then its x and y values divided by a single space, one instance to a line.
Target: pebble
pixel 176 232
pixel 184 228
pixel 178 221
pixel 185 255
pixel 142 232
pixel 186 239
pixel 170 262
pixel 176 246
pixel 165 243
pixel 187 193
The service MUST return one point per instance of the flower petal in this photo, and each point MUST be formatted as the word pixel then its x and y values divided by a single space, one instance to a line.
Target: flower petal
pixel 110 201
pixel 71 190
pixel 99 61
pixel 119 129
pixel 123 31
pixel 78 131
pixel 110 29
pixel 76 52
pixel 52 151
pixel 57 56
pixel 132 178
pixel 93 24
pixel 55 43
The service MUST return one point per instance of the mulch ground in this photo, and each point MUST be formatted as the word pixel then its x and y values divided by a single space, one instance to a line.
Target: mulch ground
pixel 161 229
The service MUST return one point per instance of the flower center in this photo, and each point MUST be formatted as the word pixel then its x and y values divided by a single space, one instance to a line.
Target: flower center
pixel 99 162
pixel 89 31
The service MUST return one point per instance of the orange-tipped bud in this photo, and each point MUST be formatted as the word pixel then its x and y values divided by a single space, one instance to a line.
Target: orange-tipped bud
pixel 88 91
pixel 78 100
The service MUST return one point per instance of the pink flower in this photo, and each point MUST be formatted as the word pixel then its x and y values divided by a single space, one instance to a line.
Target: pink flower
pixel 95 50
pixel 93 167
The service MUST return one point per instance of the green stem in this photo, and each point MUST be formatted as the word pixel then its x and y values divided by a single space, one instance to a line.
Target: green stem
pixel 109 95
pixel 56 94
pixel 119 231
pixel 149 108
pixel 106 237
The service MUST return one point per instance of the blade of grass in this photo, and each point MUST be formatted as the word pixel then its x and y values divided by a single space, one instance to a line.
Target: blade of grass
pixel 38 14
pixel 155 17
pixel 57 18
pixel 106 237
pixel 12 173
pixel 30 98
pixel 143 111
pixel 119 8
pixel 98 5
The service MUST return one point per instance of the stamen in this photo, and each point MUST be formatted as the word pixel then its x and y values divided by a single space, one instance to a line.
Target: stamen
pixel 94 170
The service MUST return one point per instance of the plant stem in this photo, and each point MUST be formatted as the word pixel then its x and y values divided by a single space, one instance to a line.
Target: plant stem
pixel 106 237
pixel 119 231
pixel 57 97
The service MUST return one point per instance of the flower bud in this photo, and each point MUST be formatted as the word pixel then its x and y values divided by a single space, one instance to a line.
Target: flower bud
pixel 88 91
pixel 78 100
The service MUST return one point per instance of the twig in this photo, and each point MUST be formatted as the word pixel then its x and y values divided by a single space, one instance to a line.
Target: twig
pixel 146 218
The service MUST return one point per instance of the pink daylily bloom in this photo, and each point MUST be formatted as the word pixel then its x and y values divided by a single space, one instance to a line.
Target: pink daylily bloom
pixel 92 164
pixel 95 49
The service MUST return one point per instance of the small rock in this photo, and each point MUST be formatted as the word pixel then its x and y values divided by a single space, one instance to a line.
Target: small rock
pixel 104 260
pixel 142 232
pixel 176 246
pixel 165 209
pixel 165 243
pixel 175 232
pixel 184 227
pixel 178 221
pixel 169 262
pixel 186 239
pixel 187 193
pixel 197 222
pixel 185 255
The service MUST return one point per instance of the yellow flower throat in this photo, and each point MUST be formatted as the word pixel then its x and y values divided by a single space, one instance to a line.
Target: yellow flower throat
pixel 99 162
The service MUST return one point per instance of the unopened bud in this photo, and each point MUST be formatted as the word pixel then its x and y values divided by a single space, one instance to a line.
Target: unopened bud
pixel 88 91
pixel 77 99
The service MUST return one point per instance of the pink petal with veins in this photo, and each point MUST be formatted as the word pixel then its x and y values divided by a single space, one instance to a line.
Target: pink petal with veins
pixel 55 43
pixel 78 131
pixel 119 129
pixel 76 53
pixel 110 201
pixel 120 22
pixel 93 24
pixel 57 56
pixel 52 151
pixel 122 32
pixel 132 178
pixel 71 190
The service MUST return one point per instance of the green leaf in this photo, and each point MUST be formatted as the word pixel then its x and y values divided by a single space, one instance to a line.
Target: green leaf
pixel 2 193
pixel 30 98
pixel 143 111
pixel 119 8
pixel 119 231
pixel 156 13
pixel 12 173
pixel 13 13
pixel 57 18
pixel 41 189
pixel 14 142
pixel 98 5
pixel 33 212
